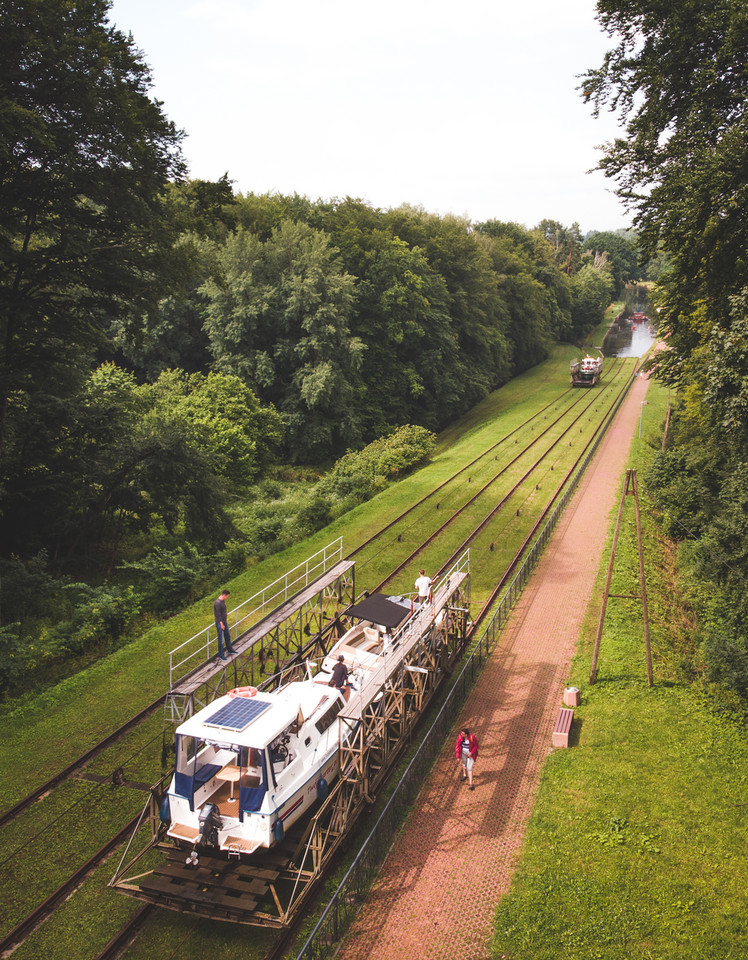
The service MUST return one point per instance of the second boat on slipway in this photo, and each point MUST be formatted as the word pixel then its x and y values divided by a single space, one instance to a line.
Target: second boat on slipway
pixel 586 372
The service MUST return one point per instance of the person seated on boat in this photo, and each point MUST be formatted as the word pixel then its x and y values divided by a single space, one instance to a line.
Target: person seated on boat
pixel 339 678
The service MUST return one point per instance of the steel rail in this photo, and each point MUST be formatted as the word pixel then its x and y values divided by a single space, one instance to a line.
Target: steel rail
pixel 483 523
pixel 75 765
pixel 41 913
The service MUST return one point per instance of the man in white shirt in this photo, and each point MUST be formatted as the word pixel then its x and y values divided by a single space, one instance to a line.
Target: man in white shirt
pixel 423 586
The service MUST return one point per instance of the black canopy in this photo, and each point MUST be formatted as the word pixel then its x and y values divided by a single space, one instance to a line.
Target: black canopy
pixel 380 609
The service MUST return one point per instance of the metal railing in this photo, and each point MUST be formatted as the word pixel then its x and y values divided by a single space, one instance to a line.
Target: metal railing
pixel 200 648
pixel 339 912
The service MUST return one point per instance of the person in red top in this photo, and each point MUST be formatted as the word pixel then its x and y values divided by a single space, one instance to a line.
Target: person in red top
pixel 466 750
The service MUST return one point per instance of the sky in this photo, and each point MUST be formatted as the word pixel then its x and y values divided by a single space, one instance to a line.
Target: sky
pixel 466 108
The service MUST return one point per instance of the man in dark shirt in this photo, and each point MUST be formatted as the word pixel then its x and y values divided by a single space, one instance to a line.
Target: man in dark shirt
pixel 222 624
pixel 339 676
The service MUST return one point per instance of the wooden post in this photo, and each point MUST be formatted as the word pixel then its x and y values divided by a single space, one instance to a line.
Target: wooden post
pixel 630 487
pixel 606 593
pixel 642 582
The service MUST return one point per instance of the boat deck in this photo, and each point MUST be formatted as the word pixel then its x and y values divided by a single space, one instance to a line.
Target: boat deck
pixel 417 627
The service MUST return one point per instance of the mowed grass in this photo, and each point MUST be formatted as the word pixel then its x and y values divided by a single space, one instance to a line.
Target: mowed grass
pixel 636 846
pixel 42 733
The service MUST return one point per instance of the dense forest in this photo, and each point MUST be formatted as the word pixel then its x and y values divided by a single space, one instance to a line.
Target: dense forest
pixel 167 344
pixel 678 77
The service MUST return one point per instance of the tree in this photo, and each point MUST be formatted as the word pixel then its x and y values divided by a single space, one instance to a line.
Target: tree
pixel 226 421
pixel 123 463
pixel 535 291
pixel 678 76
pixel 566 243
pixel 592 289
pixel 401 317
pixel 84 158
pixel 452 248
pixel 277 315
pixel 622 256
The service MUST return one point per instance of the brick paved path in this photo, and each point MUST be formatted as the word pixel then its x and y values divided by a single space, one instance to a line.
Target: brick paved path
pixel 437 892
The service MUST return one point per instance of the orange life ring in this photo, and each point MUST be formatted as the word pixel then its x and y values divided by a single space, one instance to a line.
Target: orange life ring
pixel 243 692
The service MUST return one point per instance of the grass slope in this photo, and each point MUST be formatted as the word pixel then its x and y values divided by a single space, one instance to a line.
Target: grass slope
pixel 42 733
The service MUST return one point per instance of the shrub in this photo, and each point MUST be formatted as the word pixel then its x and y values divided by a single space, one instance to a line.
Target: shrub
pixel 100 619
pixel 167 578
pixel 314 515
pixel 231 560
pixel 357 476
pixel 265 535
pixel 13 656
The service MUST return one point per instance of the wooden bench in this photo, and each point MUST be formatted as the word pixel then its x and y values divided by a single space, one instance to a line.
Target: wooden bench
pixel 563 727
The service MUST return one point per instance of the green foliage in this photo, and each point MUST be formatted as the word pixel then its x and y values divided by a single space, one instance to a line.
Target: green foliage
pixel 277 315
pixel 622 253
pixel 84 158
pixel 167 579
pixel 592 291
pixel 726 373
pixel 27 586
pixel 565 242
pixel 678 80
pixel 14 656
pixel 702 490
pixel 359 475
pixel 480 362
pixel 401 318
pixel 101 617
pixel 534 292
pixel 314 515
pixel 227 422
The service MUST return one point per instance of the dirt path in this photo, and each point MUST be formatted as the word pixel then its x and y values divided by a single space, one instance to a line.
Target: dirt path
pixel 437 892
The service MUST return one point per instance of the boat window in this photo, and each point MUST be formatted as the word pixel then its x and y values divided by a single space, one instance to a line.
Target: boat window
pixel 188 750
pixel 329 715
pixel 251 759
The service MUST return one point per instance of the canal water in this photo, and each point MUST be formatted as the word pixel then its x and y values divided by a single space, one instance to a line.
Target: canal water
pixel 627 338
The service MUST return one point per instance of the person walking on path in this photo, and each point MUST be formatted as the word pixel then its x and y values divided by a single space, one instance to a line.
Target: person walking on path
pixel 466 750
pixel 423 586
pixel 222 625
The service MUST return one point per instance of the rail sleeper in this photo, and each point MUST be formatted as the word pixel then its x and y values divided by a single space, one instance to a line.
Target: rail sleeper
pixel 563 727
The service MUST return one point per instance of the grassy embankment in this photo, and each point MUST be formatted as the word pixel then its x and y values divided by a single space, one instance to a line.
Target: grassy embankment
pixel 43 733
pixel 636 846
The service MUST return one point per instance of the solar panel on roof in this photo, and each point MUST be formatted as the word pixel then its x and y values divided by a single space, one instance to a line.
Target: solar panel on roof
pixel 237 714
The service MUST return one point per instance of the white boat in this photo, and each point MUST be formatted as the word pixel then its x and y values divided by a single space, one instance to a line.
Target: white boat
pixel 251 763
pixel 591 366
pixel 586 372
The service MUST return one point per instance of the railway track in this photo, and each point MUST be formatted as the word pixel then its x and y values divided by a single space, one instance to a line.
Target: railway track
pixel 451 485
pixel 79 763
pixel 439 495
pixel 494 510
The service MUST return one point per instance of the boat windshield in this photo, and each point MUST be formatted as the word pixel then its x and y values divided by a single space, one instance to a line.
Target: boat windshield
pixel 195 754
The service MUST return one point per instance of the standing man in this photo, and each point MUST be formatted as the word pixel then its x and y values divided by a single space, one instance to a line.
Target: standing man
pixel 423 586
pixel 222 624
pixel 466 749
